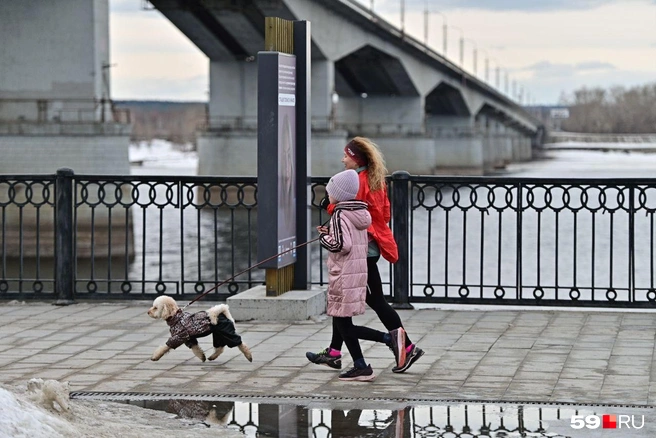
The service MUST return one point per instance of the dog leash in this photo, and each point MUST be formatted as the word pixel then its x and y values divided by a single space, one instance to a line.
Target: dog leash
pixel 252 267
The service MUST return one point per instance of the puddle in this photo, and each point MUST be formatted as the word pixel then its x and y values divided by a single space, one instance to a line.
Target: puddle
pixel 451 420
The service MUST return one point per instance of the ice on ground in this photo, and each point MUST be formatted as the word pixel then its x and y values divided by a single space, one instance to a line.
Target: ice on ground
pixel 162 154
pixel 646 146
pixel 35 410
pixel 586 164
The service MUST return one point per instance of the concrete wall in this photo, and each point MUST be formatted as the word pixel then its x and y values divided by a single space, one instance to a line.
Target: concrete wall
pixel 229 154
pixel 327 152
pixel 381 111
pixel 46 154
pixel 52 51
pixel 236 154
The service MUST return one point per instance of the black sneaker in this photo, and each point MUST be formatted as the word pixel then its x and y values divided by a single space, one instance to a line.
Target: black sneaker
pixel 411 358
pixel 398 345
pixel 358 374
pixel 323 358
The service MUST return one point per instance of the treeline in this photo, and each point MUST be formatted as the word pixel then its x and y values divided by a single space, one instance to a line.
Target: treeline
pixel 614 111
pixel 176 122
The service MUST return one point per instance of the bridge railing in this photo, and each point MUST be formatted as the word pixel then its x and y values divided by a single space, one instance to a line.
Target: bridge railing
pixel 327 124
pixel 525 241
pixel 69 111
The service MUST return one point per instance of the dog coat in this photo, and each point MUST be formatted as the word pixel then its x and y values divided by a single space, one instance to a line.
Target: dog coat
pixel 186 327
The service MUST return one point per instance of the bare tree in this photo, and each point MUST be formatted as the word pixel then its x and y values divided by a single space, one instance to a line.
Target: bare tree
pixel 617 110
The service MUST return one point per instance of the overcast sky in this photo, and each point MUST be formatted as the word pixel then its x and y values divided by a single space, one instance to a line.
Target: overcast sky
pixel 549 47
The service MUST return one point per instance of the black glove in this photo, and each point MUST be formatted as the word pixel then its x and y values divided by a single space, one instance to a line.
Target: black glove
pixel 325 202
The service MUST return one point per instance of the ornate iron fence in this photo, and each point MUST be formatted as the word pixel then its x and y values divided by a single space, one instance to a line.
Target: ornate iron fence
pixel 461 240
pixel 575 242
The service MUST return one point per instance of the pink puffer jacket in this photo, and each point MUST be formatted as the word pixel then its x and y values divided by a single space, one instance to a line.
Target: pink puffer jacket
pixel 347 260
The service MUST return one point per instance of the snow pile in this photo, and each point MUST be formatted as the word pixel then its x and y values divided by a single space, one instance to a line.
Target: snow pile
pixel 647 146
pixel 42 409
pixel 20 417
pixel 586 164
pixel 162 153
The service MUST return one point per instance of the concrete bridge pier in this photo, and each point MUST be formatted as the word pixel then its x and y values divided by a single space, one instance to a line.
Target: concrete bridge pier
pixel 503 144
pixel 372 115
pixel 55 107
pixel 324 98
pixel 228 144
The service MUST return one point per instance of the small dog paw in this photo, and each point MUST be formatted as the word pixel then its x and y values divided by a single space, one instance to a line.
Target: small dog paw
pixel 198 352
pixel 161 351
pixel 217 353
pixel 246 352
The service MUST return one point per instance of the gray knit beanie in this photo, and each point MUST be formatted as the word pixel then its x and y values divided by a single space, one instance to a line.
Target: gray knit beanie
pixel 344 185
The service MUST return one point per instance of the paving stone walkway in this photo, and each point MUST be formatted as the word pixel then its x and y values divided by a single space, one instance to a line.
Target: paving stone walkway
pixel 548 356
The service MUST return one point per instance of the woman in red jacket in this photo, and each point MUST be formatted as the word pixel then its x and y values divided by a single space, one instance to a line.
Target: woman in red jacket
pixel 363 156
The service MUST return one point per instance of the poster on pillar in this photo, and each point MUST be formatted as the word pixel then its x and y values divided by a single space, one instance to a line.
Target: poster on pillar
pixel 276 158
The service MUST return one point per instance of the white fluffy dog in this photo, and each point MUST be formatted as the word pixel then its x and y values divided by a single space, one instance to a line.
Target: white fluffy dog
pixel 186 328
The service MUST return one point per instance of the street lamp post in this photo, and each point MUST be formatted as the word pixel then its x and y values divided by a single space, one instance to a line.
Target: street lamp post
pixel 426 19
pixel 462 45
pixel 475 59
pixel 462 52
pixel 487 65
pixel 497 69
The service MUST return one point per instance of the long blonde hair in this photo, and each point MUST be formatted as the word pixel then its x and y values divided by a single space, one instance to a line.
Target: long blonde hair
pixel 376 169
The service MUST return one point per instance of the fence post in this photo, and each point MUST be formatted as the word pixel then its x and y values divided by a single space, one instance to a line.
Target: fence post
pixel 64 249
pixel 400 228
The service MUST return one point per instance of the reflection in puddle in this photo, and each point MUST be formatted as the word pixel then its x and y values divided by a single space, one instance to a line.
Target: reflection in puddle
pixel 470 420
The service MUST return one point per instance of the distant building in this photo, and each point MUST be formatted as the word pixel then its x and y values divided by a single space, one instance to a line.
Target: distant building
pixel 551 115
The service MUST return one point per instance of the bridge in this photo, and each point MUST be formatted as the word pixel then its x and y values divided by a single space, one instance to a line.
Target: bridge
pixel 368 78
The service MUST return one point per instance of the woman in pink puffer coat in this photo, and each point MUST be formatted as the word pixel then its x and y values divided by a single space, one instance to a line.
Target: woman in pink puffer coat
pixel 346 240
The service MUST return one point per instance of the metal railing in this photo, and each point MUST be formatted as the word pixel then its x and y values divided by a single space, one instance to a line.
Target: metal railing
pixel 327 124
pixel 526 241
pixel 575 242
pixel 60 111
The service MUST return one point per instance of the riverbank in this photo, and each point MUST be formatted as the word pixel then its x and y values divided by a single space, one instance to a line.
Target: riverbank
pixel 583 137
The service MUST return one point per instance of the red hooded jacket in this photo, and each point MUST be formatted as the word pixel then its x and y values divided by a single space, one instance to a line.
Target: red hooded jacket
pixel 379 208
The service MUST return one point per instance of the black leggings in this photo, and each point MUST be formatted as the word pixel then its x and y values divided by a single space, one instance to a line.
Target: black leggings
pixel 375 299
pixel 223 333
pixel 352 333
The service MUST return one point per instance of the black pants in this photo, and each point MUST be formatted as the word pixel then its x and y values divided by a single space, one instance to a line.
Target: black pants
pixel 352 333
pixel 223 333
pixel 375 299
